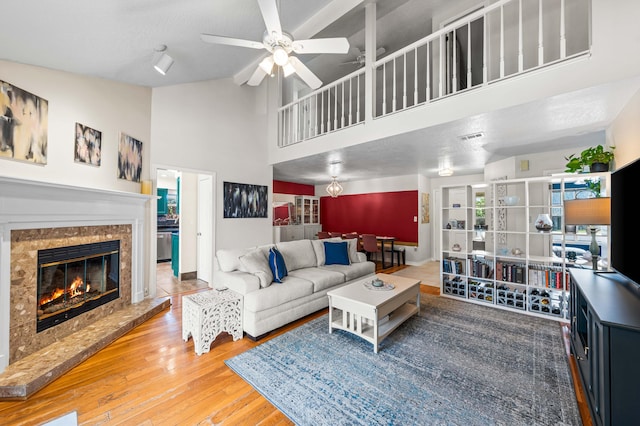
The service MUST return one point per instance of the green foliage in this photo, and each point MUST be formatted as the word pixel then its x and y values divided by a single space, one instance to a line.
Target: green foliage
pixel 596 154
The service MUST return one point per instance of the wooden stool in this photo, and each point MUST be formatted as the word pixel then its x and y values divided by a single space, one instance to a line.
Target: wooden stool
pixel 399 251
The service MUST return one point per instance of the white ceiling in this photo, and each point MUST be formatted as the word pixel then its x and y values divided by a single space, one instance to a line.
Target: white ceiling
pixel 115 40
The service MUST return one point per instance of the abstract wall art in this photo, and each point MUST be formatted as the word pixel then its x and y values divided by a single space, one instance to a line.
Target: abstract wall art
pixel 243 200
pixel 24 125
pixel 88 144
pixel 129 158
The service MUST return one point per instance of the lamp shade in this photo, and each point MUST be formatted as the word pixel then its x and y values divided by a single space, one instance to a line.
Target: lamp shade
pixel 590 211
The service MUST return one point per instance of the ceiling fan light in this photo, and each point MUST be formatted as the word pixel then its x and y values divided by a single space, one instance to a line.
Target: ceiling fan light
pixel 288 69
pixel 280 56
pixel 267 64
pixel 163 64
pixel 334 189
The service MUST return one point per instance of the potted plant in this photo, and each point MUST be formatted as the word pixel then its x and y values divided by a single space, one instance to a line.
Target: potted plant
pixel 596 158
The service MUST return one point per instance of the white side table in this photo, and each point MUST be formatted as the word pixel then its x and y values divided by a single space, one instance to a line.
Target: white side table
pixel 207 314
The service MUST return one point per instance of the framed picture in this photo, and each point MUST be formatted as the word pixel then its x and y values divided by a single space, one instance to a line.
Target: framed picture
pixel 243 200
pixel 425 207
pixel 24 122
pixel 129 158
pixel 88 145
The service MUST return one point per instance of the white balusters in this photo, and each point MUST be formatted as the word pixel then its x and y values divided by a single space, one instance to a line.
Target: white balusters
pixel 341 104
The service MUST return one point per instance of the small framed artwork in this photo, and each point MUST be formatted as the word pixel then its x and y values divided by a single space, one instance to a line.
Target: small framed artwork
pixel 129 158
pixel 461 224
pixel 88 147
pixel 425 207
pixel 242 200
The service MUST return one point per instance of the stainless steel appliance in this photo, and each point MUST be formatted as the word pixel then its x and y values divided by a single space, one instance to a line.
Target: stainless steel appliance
pixel 164 246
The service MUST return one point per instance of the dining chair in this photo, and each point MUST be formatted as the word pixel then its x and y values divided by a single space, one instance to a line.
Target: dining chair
pixel 323 234
pixel 370 245
pixel 356 236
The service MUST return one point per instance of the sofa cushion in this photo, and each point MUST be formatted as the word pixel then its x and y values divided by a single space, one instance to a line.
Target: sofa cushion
pixel 321 278
pixel 256 263
pixel 277 265
pixel 277 294
pixel 336 253
pixel 353 271
pixel 298 254
pixel 353 250
pixel 318 248
pixel 229 259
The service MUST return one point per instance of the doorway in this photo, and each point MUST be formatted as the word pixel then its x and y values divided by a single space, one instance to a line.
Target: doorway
pixel 187 214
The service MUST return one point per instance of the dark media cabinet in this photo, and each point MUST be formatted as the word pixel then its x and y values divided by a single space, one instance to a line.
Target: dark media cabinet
pixel 605 340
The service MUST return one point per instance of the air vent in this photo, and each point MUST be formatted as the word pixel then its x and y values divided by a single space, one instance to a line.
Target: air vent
pixel 471 136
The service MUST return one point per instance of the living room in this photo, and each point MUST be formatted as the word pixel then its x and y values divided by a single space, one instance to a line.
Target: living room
pixel 229 131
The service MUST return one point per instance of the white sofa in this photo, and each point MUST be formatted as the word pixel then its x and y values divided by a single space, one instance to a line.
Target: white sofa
pixel 269 305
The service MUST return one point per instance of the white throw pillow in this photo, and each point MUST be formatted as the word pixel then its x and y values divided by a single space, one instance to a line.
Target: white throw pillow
pixel 353 250
pixel 256 263
pixel 229 259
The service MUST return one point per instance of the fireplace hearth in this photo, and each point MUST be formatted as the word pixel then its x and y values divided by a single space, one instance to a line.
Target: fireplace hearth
pixel 76 279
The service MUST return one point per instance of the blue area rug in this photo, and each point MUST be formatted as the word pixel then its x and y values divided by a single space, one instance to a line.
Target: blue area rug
pixel 455 364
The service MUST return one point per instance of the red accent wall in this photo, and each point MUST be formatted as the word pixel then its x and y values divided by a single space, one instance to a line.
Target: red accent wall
pixel 281 187
pixel 382 213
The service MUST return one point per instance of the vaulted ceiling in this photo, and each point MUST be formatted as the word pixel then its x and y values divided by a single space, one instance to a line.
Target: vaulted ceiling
pixel 117 40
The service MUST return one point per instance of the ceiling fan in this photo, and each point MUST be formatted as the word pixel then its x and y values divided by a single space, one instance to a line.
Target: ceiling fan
pixel 281 45
pixel 360 58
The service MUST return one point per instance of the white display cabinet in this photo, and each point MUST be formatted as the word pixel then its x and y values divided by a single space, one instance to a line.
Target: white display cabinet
pixel 493 253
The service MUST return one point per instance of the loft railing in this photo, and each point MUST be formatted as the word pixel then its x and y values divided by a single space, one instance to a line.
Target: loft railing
pixel 507 38
pixel 333 107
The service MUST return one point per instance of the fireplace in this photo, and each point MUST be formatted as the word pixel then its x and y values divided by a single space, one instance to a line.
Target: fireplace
pixel 37 216
pixel 76 279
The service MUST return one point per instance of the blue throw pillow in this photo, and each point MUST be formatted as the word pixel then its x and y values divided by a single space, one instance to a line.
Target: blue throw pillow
pixel 276 263
pixel 336 253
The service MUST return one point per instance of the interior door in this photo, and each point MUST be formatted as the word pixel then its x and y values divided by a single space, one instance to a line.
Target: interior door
pixel 204 238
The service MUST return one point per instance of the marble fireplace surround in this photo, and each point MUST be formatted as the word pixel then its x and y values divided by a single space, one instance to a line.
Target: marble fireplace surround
pixel 61 211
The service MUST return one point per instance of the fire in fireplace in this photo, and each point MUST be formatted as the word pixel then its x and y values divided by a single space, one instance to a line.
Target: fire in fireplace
pixel 75 279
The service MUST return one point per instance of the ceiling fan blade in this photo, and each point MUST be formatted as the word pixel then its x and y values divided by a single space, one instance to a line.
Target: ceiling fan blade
pixel 257 77
pixel 209 38
pixel 321 45
pixel 269 11
pixel 305 73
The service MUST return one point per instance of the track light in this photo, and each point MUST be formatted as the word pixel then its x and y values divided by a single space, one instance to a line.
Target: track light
pixel 165 61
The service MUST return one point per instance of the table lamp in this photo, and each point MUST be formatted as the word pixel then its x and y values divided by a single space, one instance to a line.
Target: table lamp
pixel 591 212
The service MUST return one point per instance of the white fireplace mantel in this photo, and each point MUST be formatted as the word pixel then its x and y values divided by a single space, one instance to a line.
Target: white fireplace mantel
pixel 27 204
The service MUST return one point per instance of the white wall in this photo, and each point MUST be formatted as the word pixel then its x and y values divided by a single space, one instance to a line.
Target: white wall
pixel 624 133
pixel 103 105
pixel 219 127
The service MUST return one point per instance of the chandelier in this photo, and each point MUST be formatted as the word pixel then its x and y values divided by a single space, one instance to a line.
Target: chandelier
pixel 334 189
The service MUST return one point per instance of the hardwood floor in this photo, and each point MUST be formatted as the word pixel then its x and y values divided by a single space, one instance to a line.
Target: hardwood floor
pixel 151 377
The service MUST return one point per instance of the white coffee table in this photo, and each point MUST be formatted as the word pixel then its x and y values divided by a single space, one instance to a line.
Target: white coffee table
pixel 373 313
